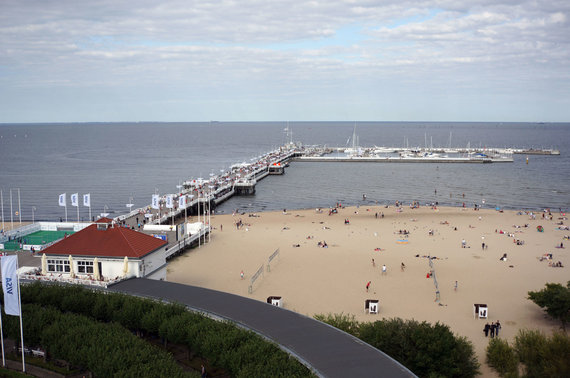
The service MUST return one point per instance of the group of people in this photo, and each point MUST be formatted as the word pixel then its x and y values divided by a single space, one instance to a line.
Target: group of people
pixel 240 224
pixel 492 329
pixel 323 244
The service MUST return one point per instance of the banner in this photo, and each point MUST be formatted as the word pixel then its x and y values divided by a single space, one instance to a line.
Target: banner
pixel 87 200
pixel 182 202
pixel 62 201
pixel 169 201
pixel 154 203
pixel 75 199
pixel 10 285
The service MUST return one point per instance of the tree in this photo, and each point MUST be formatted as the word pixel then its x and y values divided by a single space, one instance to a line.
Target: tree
pixel 427 350
pixel 502 357
pixel 533 353
pixel 555 299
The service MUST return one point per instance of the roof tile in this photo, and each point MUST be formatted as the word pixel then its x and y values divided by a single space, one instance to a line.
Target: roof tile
pixel 106 242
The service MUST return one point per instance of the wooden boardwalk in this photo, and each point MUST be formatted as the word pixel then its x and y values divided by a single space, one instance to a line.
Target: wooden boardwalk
pixel 327 351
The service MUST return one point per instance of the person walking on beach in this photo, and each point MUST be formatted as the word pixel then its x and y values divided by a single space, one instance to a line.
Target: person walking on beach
pixel 497 328
pixel 403 267
pixel 241 274
pixel 373 262
pixel 383 269
pixel 493 327
pixel 455 288
pixel 486 329
pixel 368 285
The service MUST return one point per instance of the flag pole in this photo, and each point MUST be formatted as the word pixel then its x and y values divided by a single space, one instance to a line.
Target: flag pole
pixel 204 219
pixel 11 212
pixel 66 211
pixel 2 339
pixel 209 217
pixel 2 200
pixel 19 207
pixel 21 325
pixel 199 225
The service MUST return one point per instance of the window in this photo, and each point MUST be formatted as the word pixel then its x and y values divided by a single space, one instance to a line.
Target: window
pixel 61 266
pixel 85 267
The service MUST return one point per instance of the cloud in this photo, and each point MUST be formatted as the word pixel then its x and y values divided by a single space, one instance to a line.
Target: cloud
pixel 286 49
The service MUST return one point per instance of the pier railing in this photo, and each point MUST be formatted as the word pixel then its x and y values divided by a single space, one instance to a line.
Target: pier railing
pixel 223 190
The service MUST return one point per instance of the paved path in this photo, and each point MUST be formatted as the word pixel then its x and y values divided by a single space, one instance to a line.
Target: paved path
pixel 328 351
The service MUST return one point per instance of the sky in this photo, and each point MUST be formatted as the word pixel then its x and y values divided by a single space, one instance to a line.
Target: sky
pixel 273 60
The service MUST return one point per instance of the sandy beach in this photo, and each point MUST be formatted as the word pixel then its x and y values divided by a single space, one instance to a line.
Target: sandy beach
pixel 312 279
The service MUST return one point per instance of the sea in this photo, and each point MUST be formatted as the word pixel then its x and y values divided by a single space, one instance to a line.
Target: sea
pixel 122 163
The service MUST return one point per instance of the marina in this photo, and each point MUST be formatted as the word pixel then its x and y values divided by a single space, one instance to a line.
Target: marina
pixel 200 196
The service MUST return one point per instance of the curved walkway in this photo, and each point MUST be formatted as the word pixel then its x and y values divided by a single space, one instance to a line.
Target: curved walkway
pixel 324 349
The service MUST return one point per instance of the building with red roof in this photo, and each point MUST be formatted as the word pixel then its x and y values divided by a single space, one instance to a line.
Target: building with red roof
pixel 115 249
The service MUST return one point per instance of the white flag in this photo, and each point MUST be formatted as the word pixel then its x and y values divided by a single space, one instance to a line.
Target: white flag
pixel 87 200
pixel 62 201
pixel 154 203
pixel 75 199
pixel 182 202
pixel 169 202
pixel 10 285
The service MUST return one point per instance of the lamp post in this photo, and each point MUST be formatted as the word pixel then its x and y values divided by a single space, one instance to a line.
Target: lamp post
pixel 130 204
pixel 33 218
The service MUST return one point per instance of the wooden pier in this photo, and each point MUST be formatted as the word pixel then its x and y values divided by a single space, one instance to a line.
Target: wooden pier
pixel 204 195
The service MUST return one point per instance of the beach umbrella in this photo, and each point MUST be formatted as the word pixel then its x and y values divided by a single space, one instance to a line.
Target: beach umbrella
pixel 44 264
pixel 126 267
pixel 96 272
pixel 71 271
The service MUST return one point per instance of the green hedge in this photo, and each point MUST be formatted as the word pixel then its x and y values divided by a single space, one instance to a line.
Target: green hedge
pixel 427 350
pixel 106 349
pixel 242 353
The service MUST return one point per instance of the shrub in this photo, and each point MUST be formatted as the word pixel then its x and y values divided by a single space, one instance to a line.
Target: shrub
pixel 540 356
pixel 425 349
pixel 502 358
pixel 106 349
pixel 344 322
